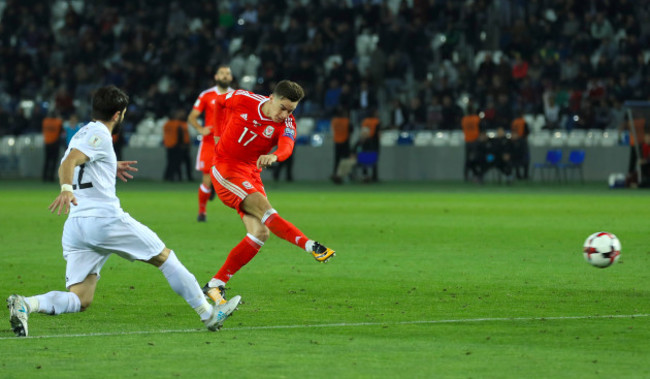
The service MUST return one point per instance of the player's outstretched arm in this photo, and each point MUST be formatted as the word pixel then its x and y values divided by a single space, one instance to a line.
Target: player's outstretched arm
pixel 66 172
pixel 123 168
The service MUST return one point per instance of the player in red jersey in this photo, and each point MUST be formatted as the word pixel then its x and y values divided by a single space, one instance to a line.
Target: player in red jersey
pixel 205 155
pixel 255 124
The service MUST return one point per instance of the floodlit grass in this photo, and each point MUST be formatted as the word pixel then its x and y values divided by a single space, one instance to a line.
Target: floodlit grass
pixel 430 280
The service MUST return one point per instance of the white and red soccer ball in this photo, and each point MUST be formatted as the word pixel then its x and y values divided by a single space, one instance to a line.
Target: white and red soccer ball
pixel 602 249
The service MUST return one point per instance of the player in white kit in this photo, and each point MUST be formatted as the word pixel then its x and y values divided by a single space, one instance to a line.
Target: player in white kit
pixel 98 227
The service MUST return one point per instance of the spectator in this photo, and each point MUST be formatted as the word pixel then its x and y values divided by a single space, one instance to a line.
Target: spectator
pixel 602 115
pixel 366 98
pixel 470 124
pixel 569 70
pixel 52 129
pixel 19 122
pixel 519 132
pixel 503 115
pixel 5 123
pixel 36 119
pixel 617 115
pixel 398 115
pixel 503 154
pixel 586 116
pixel 394 75
pixel 416 115
pixel 570 26
pixel 434 113
pixel 519 68
pixel 332 96
pixel 528 96
pixel 369 143
pixel 632 178
pixel 176 139
pixel 551 111
pixel 70 127
pixel 341 131
pixel 601 28
pixel 451 114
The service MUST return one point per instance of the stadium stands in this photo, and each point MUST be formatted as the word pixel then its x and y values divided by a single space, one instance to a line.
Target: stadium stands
pixel 512 64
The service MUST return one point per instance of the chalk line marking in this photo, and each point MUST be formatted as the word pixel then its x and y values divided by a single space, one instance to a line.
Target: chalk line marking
pixel 335 325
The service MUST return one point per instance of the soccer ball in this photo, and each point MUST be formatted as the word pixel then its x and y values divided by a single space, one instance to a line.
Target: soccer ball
pixel 602 249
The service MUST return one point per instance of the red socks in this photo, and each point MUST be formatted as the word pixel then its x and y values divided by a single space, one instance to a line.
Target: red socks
pixel 204 196
pixel 284 229
pixel 241 254
pixel 238 257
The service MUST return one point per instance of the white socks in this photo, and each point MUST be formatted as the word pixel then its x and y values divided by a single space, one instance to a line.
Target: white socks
pixel 309 246
pixel 181 281
pixel 185 284
pixel 54 303
pixel 214 283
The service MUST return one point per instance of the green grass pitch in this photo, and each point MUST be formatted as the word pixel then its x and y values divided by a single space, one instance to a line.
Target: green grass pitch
pixel 430 280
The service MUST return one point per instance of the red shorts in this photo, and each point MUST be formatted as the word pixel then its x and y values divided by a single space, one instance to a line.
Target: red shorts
pixel 205 155
pixel 233 183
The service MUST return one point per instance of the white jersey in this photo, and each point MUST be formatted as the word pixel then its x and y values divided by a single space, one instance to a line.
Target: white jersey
pixel 94 181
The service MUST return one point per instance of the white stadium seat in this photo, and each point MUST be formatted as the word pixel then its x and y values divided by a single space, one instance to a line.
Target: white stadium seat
pixel 153 140
pixel 558 138
pixel 423 138
pixel 145 126
pixel 610 138
pixel 540 138
pixel 7 145
pixel 456 138
pixel 24 143
pixel 440 139
pixel 389 137
pixel 576 138
pixel 305 126
pixel 136 140
pixel 593 137
pixel 538 123
pixel 159 125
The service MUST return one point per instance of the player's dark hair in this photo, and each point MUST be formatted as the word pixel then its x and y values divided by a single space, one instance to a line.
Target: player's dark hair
pixel 291 90
pixel 108 100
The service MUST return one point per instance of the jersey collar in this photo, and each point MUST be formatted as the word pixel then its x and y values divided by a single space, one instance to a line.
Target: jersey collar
pixel 259 110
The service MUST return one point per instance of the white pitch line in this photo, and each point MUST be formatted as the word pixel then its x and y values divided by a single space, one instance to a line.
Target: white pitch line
pixel 341 324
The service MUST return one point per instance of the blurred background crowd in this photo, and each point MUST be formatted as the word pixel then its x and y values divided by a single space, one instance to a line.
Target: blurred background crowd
pixel 422 63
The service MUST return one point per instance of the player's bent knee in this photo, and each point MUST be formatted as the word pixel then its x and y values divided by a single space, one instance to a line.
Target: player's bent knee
pixel 262 234
pixel 159 259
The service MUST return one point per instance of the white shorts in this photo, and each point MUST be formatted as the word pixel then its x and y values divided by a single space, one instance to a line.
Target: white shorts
pixel 89 241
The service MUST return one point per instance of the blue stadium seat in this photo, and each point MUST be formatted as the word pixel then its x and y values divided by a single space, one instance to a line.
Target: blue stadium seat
pixel 576 159
pixel 552 162
pixel 405 139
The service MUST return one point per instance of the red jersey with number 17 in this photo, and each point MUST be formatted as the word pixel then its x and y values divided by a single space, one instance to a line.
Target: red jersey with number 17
pixel 247 133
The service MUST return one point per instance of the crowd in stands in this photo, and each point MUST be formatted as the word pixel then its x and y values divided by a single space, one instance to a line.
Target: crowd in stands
pixel 419 62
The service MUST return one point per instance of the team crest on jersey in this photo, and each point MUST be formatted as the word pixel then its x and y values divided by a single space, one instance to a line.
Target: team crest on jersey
pixel 244 116
pixel 268 132
pixel 247 185
pixel 95 141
